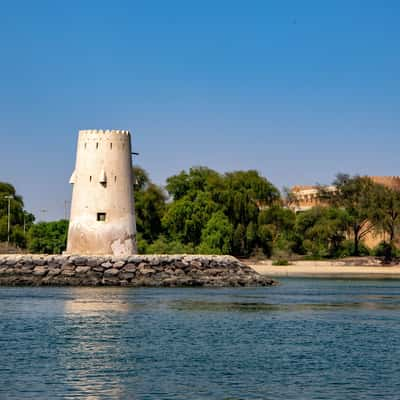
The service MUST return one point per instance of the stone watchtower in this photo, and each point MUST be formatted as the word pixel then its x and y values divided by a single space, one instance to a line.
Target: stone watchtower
pixel 102 209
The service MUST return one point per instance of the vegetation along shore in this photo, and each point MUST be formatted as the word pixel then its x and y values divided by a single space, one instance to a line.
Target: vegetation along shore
pixel 239 213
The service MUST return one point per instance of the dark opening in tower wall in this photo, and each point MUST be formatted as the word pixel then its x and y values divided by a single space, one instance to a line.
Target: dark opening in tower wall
pixel 101 216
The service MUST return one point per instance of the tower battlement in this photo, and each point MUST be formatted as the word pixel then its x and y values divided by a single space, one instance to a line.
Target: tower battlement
pixel 104 132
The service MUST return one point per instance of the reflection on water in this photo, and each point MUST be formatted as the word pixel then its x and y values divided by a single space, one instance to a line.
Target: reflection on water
pixel 94 303
pixel 306 339
pixel 92 315
pixel 188 305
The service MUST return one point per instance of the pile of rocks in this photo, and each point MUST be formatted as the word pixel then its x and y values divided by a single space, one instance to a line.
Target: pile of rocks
pixel 138 270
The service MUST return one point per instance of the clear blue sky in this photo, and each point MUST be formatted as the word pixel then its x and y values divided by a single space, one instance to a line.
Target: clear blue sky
pixel 298 90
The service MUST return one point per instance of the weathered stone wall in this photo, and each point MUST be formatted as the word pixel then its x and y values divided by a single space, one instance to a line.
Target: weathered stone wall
pixel 144 270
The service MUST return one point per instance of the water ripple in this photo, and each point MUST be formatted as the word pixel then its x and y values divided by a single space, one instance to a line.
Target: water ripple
pixel 306 339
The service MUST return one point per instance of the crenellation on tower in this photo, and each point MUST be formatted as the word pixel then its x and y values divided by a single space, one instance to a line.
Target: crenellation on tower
pixel 104 132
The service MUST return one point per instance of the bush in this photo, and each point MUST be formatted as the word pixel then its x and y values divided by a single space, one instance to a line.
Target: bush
pixel 163 246
pixel 204 248
pixel 347 249
pixel 141 244
pixel 258 254
pixel 310 257
pixel 48 237
pixel 280 262
pixel 386 250
pixel 216 237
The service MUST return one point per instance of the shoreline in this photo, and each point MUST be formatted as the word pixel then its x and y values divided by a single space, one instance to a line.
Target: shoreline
pixel 335 269
pixel 134 271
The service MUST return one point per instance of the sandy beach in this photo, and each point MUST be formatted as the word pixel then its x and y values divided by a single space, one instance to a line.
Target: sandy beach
pixel 337 269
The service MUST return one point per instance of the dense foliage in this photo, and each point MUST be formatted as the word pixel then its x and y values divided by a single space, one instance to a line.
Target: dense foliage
pixel 208 212
pixel 48 237
pixel 369 208
pixel 45 237
pixel 20 220
pixel 243 214
pixel 239 213
pixel 357 196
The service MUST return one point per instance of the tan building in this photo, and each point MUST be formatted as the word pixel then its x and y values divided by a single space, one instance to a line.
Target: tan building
pixel 391 182
pixel 304 198
pixel 102 209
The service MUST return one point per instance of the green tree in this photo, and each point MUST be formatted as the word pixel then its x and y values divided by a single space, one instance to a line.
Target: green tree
pixel 387 213
pixel 386 218
pixel 216 236
pixel 265 238
pixel 240 241
pixel 186 218
pixel 323 230
pixel 199 179
pixel 252 236
pixel 140 178
pixel 164 246
pixel 246 193
pixel 356 195
pixel 201 192
pixel 48 237
pixel 18 216
pixel 150 205
pixel 280 222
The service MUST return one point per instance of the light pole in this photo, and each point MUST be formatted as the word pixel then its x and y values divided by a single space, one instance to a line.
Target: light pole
pixel 8 218
pixel 25 222
pixel 66 204
pixel 44 211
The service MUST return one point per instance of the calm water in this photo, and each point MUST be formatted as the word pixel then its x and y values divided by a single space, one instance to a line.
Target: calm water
pixel 307 339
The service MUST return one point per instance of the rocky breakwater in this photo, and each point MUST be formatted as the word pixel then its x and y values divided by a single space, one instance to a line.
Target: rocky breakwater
pixel 137 271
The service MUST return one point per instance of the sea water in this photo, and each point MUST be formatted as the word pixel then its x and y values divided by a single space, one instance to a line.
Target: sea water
pixel 305 339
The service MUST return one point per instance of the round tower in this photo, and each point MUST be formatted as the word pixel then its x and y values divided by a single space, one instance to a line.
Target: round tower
pixel 102 208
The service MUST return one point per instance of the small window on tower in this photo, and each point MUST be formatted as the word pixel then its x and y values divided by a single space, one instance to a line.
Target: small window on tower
pixel 111 146
pixel 97 145
pixel 90 178
pixel 115 179
pixel 101 216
